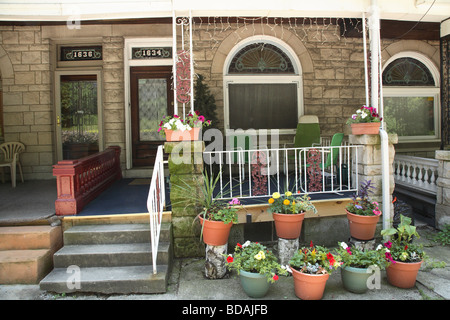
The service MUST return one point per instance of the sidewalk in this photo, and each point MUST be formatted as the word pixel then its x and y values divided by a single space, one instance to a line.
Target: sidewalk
pixel 188 283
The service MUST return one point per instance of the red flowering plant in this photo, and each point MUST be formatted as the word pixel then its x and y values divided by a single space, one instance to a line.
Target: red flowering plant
pixel 364 114
pixel 401 246
pixel 315 260
pixel 255 257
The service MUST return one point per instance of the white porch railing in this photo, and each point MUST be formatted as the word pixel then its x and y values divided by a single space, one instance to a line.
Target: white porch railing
pixel 415 172
pixel 155 203
pixel 260 172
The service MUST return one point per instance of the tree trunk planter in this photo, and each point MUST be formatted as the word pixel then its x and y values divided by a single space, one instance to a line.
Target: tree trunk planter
pixel 254 284
pixel 362 227
pixel 366 128
pixel 288 226
pixel 178 135
pixel 403 274
pixel 355 279
pixel 309 286
pixel 215 233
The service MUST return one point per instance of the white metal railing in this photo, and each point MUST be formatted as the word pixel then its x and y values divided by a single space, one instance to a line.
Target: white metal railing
pixel 260 172
pixel 415 172
pixel 155 203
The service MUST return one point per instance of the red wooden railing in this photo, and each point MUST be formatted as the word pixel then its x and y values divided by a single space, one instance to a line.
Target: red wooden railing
pixel 80 181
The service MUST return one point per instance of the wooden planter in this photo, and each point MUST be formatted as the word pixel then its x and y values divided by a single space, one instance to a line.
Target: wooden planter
pixel 366 128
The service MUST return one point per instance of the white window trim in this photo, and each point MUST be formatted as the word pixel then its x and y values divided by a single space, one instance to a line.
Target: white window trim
pixel 261 79
pixel 413 91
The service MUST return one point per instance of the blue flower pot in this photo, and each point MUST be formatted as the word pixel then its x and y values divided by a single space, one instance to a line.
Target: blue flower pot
pixel 255 285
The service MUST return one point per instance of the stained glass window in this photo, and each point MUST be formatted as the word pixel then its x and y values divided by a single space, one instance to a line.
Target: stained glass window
pixel 407 72
pixel 263 58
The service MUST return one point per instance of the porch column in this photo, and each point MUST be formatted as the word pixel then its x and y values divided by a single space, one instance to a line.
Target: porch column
pixel 443 189
pixel 370 164
pixel 185 170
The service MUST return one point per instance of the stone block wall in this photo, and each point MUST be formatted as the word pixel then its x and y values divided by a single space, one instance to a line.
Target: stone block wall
pixel 443 191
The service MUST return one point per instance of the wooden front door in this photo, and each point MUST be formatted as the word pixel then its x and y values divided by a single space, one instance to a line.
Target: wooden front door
pixel 151 100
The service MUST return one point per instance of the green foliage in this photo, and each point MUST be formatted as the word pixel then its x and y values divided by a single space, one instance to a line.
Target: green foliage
pixel 443 236
pixel 205 102
pixel 358 258
pixel 361 203
pixel 289 204
pixel 314 260
pixel 254 257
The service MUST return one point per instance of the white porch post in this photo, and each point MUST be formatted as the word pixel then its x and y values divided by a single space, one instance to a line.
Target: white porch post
pixel 174 67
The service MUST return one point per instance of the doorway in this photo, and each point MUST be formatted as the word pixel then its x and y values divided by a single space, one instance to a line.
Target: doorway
pixel 151 98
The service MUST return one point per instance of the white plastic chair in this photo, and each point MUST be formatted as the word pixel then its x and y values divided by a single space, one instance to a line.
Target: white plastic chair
pixel 11 151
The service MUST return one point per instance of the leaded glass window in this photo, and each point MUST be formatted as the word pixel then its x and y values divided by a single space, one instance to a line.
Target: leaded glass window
pixel 407 72
pixel 261 58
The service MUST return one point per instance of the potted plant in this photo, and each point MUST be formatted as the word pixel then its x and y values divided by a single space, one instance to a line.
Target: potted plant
pixel 358 264
pixel 288 213
pixel 256 266
pixel 405 256
pixel 363 213
pixel 365 121
pixel 311 268
pixel 177 129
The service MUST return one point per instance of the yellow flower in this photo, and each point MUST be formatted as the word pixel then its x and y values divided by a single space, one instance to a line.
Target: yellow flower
pixel 271 200
pixel 286 202
pixel 260 255
pixel 288 193
pixel 276 195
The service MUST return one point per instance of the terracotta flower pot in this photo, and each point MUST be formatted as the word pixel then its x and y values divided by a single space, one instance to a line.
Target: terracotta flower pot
pixel 178 135
pixel 215 233
pixel 362 227
pixel 254 284
pixel 366 128
pixel 309 286
pixel 403 274
pixel 288 226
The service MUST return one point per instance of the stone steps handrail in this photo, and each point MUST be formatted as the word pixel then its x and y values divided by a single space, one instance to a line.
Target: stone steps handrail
pixel 416 172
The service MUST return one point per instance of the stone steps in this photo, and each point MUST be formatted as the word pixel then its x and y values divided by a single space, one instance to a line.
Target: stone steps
pixel 110 258
pixel 26 253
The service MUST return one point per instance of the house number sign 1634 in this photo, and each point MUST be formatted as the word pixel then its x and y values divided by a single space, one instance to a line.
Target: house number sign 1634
pixel 149 53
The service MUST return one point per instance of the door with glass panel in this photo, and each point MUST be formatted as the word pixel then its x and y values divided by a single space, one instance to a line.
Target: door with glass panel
pixel 151 100
pixel 77 117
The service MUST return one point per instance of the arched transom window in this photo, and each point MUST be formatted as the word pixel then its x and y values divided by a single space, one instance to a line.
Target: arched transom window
pixel 411 97
pixel 262 86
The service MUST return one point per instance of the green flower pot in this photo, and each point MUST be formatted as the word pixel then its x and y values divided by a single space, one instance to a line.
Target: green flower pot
pixel 255 285
pixel 355 279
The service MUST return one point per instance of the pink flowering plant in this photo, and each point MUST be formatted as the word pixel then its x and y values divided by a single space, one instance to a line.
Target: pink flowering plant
pixel 225 211
pixel 364 114
pixel 352 256
pixel 255 257
pixel 176 123
pixel 362 204
pixel 401 246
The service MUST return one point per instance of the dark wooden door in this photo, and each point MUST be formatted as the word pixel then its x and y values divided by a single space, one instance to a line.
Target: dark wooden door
pixel 151 99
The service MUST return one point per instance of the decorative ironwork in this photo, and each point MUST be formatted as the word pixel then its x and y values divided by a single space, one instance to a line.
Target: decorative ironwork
pixel 259 173
pixel 151 53
pixel 314 172
pixel 407 72
pixel 183 78
pixel 261 58
pixel 445 90
pixel 81 53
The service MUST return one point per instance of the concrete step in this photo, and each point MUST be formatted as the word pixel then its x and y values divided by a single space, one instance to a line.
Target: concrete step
pixel 30 237
pixel 107 280
pixel 24 266
pixel 113 233
pixel 116 254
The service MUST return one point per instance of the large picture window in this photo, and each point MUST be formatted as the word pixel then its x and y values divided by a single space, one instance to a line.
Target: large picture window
pixel 263 87
pixel 411 99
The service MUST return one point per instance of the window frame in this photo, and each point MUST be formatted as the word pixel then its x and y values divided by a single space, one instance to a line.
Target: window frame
pixel 418 91
pixel 295 78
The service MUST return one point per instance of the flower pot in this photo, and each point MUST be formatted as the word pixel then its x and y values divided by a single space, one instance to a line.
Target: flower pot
pixel 362 227
pixel 309 286
pixel 178 135
pixel 355 279
pixel 215 233
pixel 403 274
pixel 366 128
pixel 254 284
pixel 288 226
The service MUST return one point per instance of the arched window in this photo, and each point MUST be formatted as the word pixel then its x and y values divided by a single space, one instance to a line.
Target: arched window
pixel 262 86
pixel 411 97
